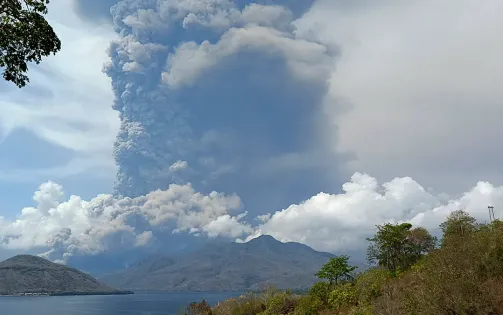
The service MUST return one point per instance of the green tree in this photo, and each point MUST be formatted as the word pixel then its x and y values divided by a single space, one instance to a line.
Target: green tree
pixel 336 269
pixel 457 225
pixel 420 243
pixel 25 36
pixel 398 246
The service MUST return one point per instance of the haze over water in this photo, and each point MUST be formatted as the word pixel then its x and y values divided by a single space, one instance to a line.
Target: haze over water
pixel 137 304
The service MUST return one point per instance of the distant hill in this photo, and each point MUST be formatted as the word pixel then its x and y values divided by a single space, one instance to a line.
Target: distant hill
pixel 108 262
pixel 31 274
pixel 226 267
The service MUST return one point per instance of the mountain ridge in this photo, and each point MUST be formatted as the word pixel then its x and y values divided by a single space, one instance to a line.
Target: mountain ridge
pixel 226 267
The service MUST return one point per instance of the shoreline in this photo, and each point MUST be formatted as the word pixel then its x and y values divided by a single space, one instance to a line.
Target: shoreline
pixel 125 292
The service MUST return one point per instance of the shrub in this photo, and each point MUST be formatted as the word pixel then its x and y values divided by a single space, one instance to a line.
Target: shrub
pixel 364 309
pixel 195 308
pixel 306 305
pixel 370 284
pixel 280 303
pixel 342 296
pixel 248 304
pixel 320 291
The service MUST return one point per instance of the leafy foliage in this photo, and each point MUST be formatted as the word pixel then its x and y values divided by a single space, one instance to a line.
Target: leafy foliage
pixel 25 36
pixel 462 276
pixel 343 295
pixel 306 306
pixel 320 292
pixel 248 304
pixel 458 225
pixel 336 269
pixel 370 285
pixel 398 246
pixel 280 303
pixel 195 308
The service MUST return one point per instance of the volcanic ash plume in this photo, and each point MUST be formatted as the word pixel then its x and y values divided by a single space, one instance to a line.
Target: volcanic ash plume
pixel 223 95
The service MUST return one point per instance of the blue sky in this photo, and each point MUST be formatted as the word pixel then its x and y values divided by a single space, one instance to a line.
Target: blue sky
pixel 311 122
pixel 61 127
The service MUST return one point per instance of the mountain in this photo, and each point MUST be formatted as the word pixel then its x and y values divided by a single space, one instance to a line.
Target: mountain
pixel 104 263
pixel 32 274
pixel 226 267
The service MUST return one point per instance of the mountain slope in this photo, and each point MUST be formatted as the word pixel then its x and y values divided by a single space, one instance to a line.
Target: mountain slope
pixel 32 274
pixel 226 267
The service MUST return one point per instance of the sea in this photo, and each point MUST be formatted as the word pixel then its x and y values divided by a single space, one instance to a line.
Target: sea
pixel 133 304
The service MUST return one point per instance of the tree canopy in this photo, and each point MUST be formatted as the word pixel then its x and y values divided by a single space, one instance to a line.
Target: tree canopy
pixel 457 225
pixel 398 246
pixel 336 269
pixel 25 36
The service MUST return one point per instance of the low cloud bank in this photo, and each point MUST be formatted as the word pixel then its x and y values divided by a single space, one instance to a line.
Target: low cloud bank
pixel 59 228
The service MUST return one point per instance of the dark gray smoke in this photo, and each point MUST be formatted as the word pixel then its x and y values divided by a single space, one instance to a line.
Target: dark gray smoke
pixel 222 94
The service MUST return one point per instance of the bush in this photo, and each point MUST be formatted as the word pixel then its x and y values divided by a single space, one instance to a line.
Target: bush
pixel 342 296
pixel 248 304
pixel 370 284
pixel 320 292
pixel 280 303
pixel 306 305
pixel 194 308
pixel 364 309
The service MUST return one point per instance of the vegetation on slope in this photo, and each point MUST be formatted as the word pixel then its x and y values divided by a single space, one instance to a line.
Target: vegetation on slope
pixel 412 273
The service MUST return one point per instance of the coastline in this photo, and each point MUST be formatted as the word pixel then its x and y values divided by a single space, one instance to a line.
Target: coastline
pixel 121 292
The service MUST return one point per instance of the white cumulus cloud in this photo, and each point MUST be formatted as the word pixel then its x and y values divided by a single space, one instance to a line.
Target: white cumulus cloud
pixel 61 228
pixel 340 222
pixel 178 166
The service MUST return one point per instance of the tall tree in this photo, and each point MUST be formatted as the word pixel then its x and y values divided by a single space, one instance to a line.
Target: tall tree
pixel 336 269
pixel 25 36
pixel 420 242
pixel 457 225
pixel 398 246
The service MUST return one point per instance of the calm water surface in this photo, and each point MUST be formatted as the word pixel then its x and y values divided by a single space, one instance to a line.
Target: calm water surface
pixel 136 304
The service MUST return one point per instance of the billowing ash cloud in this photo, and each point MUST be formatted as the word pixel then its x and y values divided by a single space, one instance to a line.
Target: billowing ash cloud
pixel 99 10
pixel 228 88
pixel 65 229
pixel 78 227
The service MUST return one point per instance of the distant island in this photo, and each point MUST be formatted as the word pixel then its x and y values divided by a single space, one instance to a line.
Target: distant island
pixel 27 275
